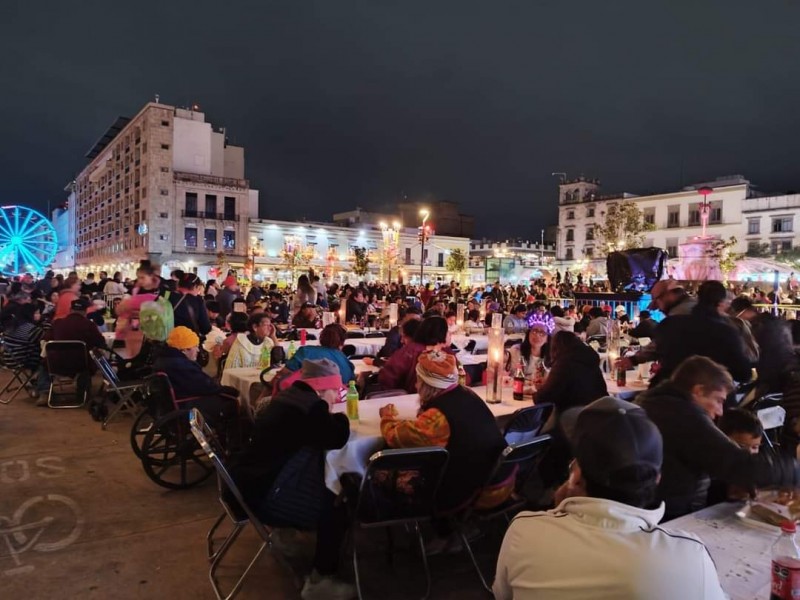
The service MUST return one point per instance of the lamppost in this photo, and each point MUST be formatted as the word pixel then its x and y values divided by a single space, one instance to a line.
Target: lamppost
pixel 391 239
pixel 255 250
pixel 423 234
pixel 705 206
pixel 541 248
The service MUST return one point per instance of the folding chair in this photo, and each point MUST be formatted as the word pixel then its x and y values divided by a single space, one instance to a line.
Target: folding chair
pixel 126 392
pixel 525 457
pixel 384 502
pixel 14 359
pixel 527 423
pixel 233 505
pixel 66 361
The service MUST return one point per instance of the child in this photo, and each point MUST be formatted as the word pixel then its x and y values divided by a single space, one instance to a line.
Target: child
pixel 745 430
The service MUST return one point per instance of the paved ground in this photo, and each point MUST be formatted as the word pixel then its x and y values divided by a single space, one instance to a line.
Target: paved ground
pixel 79 519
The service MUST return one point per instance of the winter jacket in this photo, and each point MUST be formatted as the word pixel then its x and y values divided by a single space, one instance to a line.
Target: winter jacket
pixel 294 418
pixel 644 329
pixel 574 380
pixel 564 324
pixel 604 550
pixel 317 352
pixel 695 450
pixel 705 333
pixel 225 297
pixel 244 353
pixel 190 311
pixel 185 375
pixel 597 326
pixel 400 371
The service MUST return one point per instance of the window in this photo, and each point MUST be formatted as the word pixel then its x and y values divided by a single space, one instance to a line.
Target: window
pixel 753 247
pixel 229 240
pixel 164 192
pixel 163 215
pixel 694 214
pixel 165 123
pixel 570 214
pixel 211 205
pixel 588 252
pixel 590 212
pixel 674 216
pixel 715 213
pixel 649 216
pixel 230 208
pixel 570 235
pixel 782 225
pixel 569 255
pixel 191 204
pixel 778 246
pixel 589 234
pixel 753 226
pixel 165 169
pixel 190 237
pixel 672 247
pixel 408 256
pixel 165 146
pixel 210 239
pixel 440 260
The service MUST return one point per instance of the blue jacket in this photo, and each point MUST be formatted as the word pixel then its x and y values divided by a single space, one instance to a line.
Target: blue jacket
pixel 315 353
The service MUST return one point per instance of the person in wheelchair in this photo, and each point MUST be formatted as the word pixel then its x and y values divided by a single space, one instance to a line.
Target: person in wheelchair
pixel 178 360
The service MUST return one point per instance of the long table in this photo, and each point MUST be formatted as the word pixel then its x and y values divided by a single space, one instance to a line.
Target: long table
pixel 741 552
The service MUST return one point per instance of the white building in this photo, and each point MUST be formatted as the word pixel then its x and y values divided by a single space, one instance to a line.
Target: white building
pixel 63 218
pixel 509 261
pixel 737 209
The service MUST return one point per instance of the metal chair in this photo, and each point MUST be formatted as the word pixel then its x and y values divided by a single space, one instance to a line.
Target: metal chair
pixel 127 393
pixel 386 500
pixel 525 458
pixel 527 423
pixel 67 361
pixel 14 359
pixel 233 505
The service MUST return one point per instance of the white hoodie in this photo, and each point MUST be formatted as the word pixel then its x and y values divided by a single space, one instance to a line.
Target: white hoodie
pixel 244 353
pixel 596 549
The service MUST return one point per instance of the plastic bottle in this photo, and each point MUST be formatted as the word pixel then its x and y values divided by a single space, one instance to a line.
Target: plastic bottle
pixel 785 564
pixel 291 350
pixel 519 382
pixel 303 337
pixel 462 375
pixel 265 358
pixel 621 376
pixel 352 401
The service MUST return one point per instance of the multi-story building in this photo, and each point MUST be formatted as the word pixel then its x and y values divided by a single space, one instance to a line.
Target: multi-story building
pixel 737 210
pixel 162 185
pixel 329 250
pixel 510 261
pixel 63 218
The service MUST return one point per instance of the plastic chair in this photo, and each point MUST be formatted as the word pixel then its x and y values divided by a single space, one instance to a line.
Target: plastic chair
pixel 385 500
pixel 67 360
pixel 126 392
pixel 527 423
pixel 233 505
pixel 525 458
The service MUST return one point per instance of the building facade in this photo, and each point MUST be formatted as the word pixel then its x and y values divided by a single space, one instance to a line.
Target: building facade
pixel 510 261
pixel 163 185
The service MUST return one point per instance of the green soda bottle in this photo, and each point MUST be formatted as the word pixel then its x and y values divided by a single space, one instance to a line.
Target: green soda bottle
pixel 265 356
pixel 352 401
pixel 290 350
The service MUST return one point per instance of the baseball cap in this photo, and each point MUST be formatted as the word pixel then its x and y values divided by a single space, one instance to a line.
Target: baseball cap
pixel 620 309
pixel 79 304
pixel 661 288
pixel 609 435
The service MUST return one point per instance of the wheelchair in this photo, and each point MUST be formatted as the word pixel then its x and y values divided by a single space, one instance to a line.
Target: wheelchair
pixel 162 439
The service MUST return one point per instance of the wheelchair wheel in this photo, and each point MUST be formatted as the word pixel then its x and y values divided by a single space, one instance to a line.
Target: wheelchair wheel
pixel 141 427
pixel 170 455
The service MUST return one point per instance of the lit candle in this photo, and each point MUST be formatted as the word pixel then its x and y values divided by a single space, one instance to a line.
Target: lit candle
pixel 393 314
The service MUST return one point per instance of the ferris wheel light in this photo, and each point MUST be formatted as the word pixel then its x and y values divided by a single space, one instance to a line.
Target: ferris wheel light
pixel 27 240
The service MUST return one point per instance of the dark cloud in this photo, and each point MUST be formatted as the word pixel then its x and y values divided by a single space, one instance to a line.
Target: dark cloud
pixel 359 102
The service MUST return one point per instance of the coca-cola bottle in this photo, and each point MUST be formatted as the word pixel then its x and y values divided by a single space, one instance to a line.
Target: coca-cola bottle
pixel 519 382
pixel 785 564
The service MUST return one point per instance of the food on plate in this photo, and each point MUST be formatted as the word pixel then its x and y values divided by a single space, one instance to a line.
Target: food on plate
pixel 767 515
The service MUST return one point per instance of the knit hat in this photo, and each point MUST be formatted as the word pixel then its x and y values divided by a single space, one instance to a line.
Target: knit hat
pixel 620 309
pixel 321 374
pixel 438 369
pixel 230 281
pixel 182 338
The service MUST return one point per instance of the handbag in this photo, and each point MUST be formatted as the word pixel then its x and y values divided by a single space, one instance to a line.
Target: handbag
pixel 295 497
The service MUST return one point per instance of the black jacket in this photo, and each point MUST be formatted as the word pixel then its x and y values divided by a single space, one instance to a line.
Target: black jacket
pixel 705 333
pixel 294 418
pixel 644 329
pixel 574 380
pixel 186 376
pixel 190 311
pixel 695 450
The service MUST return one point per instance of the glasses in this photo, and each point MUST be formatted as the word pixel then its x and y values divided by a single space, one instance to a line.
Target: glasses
pixel 538 332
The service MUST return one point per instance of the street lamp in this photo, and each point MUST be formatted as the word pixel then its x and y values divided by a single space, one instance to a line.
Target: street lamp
pixel 423 233
pixel 541 248
pixel 255 250
pixel 705 206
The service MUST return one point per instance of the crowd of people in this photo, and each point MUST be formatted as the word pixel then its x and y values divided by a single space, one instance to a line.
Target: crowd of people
pixel 614 471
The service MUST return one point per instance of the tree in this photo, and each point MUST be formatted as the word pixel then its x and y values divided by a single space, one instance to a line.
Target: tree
pixel 623 227
pixel 360 261
pixel 456 263
pixel 721 251
pixel 759 251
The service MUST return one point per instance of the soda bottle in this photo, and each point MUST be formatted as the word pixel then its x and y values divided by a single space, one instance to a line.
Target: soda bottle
pixel 265 358
pixel 462 375
pixel 621 376
pixel 519 382
pixel 352 401
pixel 291 350
pixel 303 336
pixel 785 565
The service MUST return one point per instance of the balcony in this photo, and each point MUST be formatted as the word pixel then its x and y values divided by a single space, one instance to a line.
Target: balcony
pixel 213 216
pixel 230 182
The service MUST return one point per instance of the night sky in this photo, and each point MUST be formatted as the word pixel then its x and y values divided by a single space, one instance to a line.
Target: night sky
pixel 344 103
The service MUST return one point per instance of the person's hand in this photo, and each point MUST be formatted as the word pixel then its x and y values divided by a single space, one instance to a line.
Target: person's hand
pixel 388 412
pixel 624 363
pixel 367 360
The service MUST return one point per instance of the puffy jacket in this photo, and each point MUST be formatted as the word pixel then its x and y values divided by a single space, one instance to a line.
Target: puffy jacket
pixel 574 380
pixel 696 450
pixel 400 371
pixel 186 376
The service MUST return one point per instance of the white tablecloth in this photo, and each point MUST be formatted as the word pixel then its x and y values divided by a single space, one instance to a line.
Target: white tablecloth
pixel 362 345
pixel 741 552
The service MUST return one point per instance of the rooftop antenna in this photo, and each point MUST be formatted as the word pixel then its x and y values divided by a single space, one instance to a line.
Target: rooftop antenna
pixel 561 176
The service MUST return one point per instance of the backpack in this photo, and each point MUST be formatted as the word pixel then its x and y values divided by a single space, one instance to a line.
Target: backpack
pixel 157 318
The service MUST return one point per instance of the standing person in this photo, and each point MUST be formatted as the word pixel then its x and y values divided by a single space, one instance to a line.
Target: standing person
pixel 226 296
pixel 68 293
pixel 322 293
pixel 190 310
pixel 304 294
pixel 114 287
pixel 607 523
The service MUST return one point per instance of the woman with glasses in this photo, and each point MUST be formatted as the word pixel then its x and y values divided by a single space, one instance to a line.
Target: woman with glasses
pixel 533 352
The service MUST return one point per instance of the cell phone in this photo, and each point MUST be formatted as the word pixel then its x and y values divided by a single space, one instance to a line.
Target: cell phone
pixel 240 306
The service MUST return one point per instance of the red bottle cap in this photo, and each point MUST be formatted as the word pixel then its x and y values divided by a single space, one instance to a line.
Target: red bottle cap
pixel 788 526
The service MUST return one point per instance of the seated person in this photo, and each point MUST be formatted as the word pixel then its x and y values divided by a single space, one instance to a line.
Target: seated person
pixel 306 317
pixel 331 340
pixel 21 341
pixel 516 322
pixel 473 324
pixel 606 521
pixel 394 338
pixel 399 372
pixel 455 418
pixel 248 348
pixel 178 361
pixel 646 326
pixel 533 351
pixel 684 408
pixel 744 429
pixel 296 418
pixel 237 322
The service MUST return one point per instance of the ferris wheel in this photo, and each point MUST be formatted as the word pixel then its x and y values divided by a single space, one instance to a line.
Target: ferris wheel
pixel 27 241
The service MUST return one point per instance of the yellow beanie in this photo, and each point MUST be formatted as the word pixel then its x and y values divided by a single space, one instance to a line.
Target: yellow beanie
pixel 182 338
